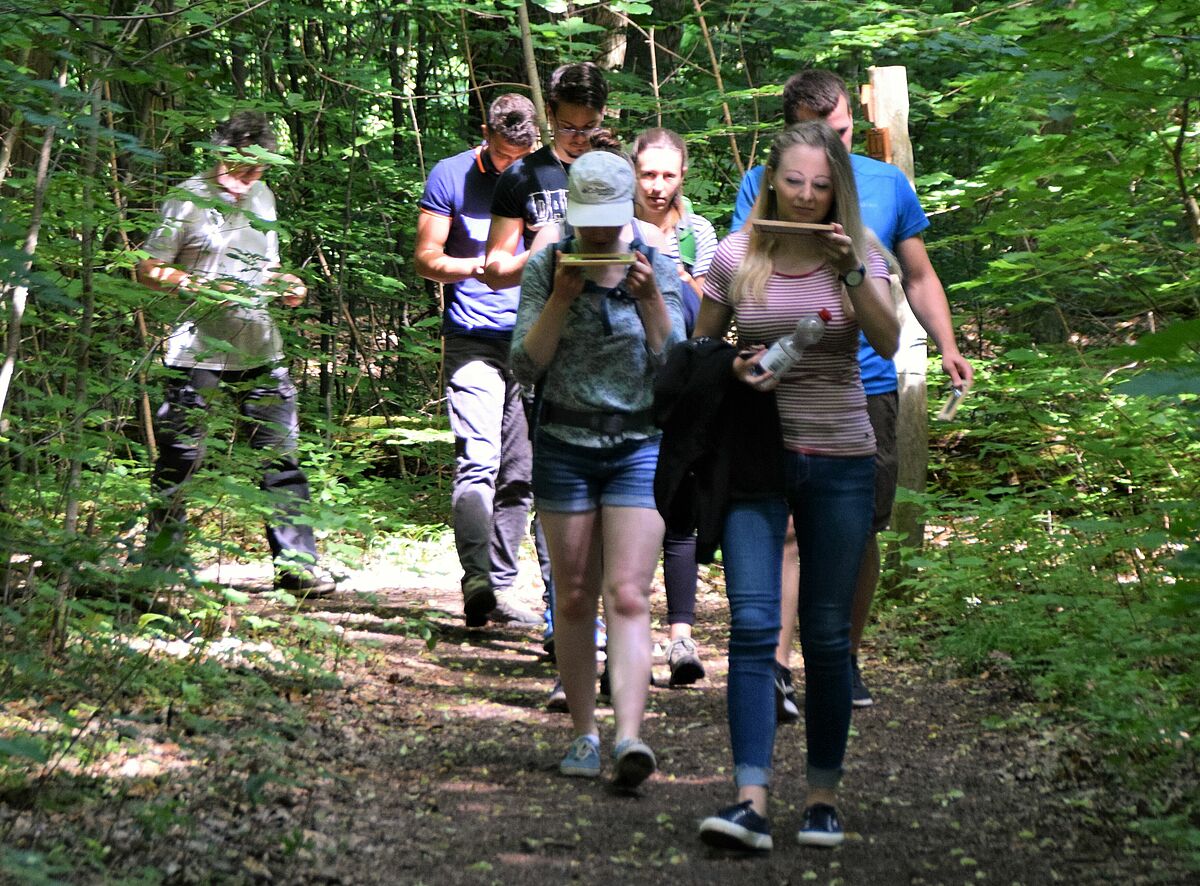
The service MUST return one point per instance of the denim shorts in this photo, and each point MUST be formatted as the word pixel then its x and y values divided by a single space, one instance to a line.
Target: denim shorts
pixel 570 479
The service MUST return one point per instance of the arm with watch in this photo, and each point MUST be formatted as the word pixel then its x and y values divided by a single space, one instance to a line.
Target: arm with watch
pixel 871 304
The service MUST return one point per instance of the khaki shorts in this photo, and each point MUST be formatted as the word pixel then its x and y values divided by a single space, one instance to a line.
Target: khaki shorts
pixel 882 410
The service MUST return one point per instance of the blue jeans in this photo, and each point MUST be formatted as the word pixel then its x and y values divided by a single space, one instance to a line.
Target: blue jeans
pixel 831 501
pixel 573 479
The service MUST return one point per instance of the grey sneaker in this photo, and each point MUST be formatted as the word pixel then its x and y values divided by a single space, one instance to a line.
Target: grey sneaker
pixel 785 696
pixel 860 695
pixel 478 600
pixel 582 759
pixel 633 763
pixel 684 661
pixel 305 581
pixel 506 612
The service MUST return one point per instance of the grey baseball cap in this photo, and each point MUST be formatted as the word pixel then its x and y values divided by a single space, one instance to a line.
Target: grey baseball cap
pixel 600 191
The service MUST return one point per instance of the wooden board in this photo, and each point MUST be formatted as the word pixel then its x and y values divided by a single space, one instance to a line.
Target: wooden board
pixel 772 226
pixel 589 260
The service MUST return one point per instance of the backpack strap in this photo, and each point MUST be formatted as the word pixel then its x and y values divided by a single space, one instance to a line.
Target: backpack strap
pixel 685 236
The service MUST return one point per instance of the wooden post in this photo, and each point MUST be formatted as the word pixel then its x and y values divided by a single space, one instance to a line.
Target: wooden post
pixel 886 100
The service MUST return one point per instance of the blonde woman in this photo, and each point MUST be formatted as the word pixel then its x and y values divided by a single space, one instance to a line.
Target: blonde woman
pixel 766 282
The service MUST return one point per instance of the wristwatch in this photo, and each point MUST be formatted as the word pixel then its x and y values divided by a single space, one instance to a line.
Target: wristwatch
pixel 855 277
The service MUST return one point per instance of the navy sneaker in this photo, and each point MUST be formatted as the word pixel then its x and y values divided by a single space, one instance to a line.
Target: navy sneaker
pixel 557 702
pixel 737 827
pixel 821 827
pixel 785 696
pixel 860 695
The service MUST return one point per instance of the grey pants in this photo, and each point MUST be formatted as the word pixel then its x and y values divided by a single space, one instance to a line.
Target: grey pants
pixel 493 459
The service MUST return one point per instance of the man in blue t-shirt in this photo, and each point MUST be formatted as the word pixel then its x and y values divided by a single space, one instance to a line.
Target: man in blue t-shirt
pixel 890 208
pixel 493 459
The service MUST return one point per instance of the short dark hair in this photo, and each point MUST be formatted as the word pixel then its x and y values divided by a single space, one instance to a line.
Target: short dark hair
pixel 582 83
pixel 817 91
pixel 511 118
pixel 245 128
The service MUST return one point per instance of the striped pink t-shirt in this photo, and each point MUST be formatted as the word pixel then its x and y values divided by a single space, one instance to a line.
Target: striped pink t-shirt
pixel 822 407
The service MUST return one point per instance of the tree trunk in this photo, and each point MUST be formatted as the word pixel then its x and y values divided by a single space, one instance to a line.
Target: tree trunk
pixel 20 292
pixel 531 73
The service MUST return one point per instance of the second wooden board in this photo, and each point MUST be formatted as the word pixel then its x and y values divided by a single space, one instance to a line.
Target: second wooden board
pixel 583 259
pixel 773 226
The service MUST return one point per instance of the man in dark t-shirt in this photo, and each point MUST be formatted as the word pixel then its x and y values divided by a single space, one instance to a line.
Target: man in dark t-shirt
pixel 492 454
pixel 533 193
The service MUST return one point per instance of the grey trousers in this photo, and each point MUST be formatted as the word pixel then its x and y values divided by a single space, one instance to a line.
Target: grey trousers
pixel 493 459
pixel 266 399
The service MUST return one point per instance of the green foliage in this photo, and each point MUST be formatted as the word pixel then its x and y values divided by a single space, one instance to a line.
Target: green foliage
pixel 1056 144
pixel 1068 510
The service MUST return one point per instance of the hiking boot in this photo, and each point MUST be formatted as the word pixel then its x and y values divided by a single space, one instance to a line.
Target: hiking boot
pixel 583 758
pixel 737 827
pixel 557 702
pixel 506 612
pixel 785 696
pixel 860 695
pixel 305 581
pixel 478 600
pixel 685 664
pixel 821 827
pixel 633 763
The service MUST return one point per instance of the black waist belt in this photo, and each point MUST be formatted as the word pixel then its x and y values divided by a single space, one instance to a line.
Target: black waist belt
pixel 601 422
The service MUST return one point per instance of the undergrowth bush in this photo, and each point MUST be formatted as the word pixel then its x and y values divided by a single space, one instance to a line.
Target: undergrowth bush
pixel 1064 512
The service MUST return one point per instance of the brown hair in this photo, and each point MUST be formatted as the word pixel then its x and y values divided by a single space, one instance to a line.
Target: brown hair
pixel 660 138
pixel 511 118
pixel 817 91
pixel 245 128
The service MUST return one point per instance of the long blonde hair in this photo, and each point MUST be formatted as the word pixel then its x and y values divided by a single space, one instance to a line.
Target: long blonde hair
pixel 751 277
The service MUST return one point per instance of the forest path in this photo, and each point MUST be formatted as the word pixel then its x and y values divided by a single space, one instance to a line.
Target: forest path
pixel 439 766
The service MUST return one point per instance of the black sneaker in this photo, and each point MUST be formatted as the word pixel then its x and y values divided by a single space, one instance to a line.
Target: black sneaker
pixel 785 696
pixel 820 827
pixel 478 600
pixel 737 827
pixel 860 695
pixel 557 702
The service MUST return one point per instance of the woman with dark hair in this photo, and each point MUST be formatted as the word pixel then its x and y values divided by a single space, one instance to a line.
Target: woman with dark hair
pixel 660 160
pixel 766 281
pixel 592 331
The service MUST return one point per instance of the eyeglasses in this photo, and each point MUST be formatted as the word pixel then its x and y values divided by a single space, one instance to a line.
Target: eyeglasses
pixel 572 132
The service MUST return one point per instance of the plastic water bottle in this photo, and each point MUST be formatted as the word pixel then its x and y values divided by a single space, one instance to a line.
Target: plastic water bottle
pixel 783 355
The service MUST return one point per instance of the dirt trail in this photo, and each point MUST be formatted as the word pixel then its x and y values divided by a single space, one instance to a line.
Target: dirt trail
pixel 439 767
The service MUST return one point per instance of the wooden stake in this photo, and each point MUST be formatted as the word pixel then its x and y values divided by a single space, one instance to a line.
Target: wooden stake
pixel 886 101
